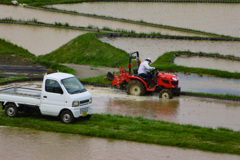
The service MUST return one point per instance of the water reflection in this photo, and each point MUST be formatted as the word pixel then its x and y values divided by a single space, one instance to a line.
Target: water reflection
pixel 37 40
pixel 22 144
pixel 161 110
pixel 209 17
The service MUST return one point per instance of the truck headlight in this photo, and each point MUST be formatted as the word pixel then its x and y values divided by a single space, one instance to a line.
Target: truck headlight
pixel 90 100
pixel 75 103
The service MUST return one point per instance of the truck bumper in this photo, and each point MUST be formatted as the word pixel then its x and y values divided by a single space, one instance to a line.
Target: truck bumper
pixel 82 111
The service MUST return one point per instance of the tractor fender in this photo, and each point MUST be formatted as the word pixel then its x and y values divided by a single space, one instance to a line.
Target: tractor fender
pixel 137 78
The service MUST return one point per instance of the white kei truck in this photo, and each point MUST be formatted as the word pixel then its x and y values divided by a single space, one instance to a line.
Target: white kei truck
pixel 62 95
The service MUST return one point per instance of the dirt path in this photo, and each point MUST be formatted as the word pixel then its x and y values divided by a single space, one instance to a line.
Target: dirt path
pixel 86 71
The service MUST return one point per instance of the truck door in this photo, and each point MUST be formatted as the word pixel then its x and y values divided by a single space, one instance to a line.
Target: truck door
pixel 53 99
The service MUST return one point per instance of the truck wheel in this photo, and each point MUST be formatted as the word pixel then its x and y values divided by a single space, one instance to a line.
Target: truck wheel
pixel 11 110
pixel 165 94
pixel 136 88
pixel 67 117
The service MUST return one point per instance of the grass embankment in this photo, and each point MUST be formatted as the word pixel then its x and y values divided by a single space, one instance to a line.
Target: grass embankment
pixel 136 129
pixel 86 49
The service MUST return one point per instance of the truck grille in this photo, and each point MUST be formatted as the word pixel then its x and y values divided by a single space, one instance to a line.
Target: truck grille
pixel 84 102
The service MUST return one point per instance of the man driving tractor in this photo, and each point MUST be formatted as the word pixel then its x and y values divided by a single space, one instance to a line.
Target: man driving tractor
pixel 142 70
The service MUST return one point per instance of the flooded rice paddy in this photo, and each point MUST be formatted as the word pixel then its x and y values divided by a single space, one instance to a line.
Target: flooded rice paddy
pixel 154 48
pixel 213 63
pixel 220 18
pixel 76 20
pixel 36 39
pixel 22 144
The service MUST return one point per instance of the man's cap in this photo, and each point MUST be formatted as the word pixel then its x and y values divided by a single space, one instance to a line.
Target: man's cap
pixel 148 59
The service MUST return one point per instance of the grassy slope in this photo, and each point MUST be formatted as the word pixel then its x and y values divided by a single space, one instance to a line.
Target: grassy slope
pixel 86 49
pixel 9 48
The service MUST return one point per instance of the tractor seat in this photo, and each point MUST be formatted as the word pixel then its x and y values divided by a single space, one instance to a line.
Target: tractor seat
pixel 135 71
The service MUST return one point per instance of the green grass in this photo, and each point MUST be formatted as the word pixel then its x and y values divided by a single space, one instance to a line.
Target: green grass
pixel 86 49
pixel 136 129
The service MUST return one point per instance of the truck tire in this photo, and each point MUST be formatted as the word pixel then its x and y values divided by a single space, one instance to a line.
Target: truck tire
pixel 136 88
pixel 165 94
pixel 11 110
pixel 66 117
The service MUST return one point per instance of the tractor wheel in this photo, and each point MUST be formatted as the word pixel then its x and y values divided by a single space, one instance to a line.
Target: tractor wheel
pixel 165 94
pixel 136 88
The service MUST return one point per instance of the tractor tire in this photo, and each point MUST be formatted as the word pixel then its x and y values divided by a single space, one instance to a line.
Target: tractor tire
pixel 165 94
pixel 136 88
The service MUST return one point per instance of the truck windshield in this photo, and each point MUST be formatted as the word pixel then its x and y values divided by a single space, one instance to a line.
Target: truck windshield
pixel 73 85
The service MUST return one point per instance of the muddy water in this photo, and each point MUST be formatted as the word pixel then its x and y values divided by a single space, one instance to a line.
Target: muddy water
pixel 210 17
pixel 183 110
pixel 75 20
pixel 156 47
pixel 37 40
pixel 210 63
pixel 22 144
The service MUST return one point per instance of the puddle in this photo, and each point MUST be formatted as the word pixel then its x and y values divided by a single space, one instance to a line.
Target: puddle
pixel 14 142
pixel 199 16
pixel 209 63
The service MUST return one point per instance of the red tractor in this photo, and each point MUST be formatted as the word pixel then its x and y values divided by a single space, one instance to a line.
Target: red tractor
pixel 166 84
